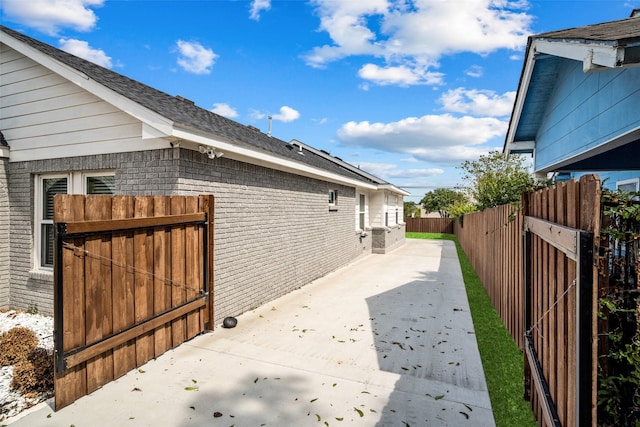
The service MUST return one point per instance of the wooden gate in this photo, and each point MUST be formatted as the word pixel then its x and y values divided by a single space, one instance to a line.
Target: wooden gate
pixel 559 317
pixel 132 280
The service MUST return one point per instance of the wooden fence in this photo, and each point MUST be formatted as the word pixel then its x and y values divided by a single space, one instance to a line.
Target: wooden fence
pixel 541 287
pixel 131 281
pixel 429 225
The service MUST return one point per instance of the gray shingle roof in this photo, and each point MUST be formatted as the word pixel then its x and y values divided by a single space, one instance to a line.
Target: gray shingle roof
pixel 621 32
pixel 185 113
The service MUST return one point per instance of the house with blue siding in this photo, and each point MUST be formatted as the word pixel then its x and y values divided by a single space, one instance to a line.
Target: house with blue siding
pixel 577 108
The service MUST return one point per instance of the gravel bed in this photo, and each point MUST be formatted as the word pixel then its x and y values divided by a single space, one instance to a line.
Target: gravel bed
pixel 12 402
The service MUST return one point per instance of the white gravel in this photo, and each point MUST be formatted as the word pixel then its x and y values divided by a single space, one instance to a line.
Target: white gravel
pixel 12 402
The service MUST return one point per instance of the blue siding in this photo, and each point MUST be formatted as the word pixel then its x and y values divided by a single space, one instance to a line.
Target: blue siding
pixel 586 110
pixel 609 179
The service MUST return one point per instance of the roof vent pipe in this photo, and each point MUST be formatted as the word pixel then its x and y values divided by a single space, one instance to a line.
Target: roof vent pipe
pixel 269 128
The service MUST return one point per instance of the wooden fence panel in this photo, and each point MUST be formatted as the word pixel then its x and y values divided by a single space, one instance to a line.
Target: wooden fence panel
pixel 429 225
pixel 131 282
pixel 492 240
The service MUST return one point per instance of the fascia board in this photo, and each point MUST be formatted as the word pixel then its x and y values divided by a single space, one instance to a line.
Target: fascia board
pixel 394 189
pixel 261 158
pixel 521 96
pixel 4 152
pixel 157 121
pixel 590 54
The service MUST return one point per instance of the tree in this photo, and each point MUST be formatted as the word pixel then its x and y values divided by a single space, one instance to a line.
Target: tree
pixel 495 179
pixel 440 199
pixel 411 210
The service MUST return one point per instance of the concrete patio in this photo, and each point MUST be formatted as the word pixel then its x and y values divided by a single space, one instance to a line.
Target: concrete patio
pixel 386 341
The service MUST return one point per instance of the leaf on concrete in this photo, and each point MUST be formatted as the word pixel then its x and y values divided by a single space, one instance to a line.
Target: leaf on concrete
pixel 359 412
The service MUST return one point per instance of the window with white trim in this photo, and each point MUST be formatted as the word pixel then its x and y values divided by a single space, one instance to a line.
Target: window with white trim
pixel 46 187
pixel 362 212
pixel 333 200
pixel 628 185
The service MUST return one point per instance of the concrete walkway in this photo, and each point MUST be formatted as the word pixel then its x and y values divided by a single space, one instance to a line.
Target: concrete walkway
pixel 386 341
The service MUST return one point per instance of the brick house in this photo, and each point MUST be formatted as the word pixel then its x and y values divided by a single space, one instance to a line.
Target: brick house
pixel 286 213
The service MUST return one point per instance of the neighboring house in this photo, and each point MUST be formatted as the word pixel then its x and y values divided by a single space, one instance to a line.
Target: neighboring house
pixel 285 215
pixel 577 109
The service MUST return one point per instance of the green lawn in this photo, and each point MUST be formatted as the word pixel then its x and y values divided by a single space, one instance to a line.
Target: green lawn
pixel 501 358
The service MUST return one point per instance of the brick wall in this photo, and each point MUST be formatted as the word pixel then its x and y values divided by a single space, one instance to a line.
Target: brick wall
pixel 4 234
pixel 386 239
pixel 274 231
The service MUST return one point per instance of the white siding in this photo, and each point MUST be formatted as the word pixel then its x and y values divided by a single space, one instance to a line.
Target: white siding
pixel 43 115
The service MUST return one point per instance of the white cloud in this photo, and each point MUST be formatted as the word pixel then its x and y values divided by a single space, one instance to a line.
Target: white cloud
pixel 474 71
pixel 411 36
pixel 399 75
pixel 478 102
pixel 442 138
pixel 287 114
pixel 390 171
pixel 224 110
pixel 258 6
pixel 49 16
pixel 195 58
pixel 83 50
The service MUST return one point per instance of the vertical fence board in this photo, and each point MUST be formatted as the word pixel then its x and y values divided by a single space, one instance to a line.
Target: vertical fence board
pixel 72 383
pixel 178 295
pixel 162 272
pixel 193 275
pixel 123 285
pixel 143 241
pixel 99 312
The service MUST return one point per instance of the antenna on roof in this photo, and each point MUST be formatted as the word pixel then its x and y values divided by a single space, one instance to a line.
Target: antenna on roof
pixel 269 128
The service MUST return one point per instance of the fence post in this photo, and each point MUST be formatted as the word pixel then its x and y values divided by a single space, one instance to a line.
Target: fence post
pixel 584 332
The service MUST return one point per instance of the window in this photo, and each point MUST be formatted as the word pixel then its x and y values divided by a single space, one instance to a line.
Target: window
pixel 628 185
pixel 47 186
pixel 333 197
pixel 361 212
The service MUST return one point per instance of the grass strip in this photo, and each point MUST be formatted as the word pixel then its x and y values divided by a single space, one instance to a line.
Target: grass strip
pixel 502 360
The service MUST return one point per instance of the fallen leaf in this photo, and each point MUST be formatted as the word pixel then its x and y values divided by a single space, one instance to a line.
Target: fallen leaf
pixel 142 371
pixel 136 389
pixel 217 414
pixel 438 397
pixel 465 414
pixel 359 412
pixel 313 400
pixel 318 417
pixel 256 380
pixel 340 419
pixel 191 388
pixel 192 407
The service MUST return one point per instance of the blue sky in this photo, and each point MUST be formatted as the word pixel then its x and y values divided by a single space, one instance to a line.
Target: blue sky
pixel 406 89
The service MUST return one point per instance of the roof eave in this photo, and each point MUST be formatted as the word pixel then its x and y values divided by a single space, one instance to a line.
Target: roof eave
pixel 593 55
pixel 521 95
pixel 234 151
